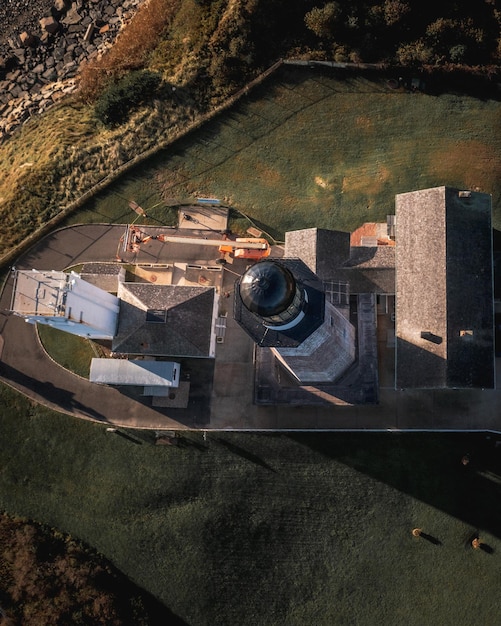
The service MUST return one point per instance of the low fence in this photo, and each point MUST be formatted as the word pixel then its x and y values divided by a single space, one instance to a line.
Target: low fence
pixel 8 257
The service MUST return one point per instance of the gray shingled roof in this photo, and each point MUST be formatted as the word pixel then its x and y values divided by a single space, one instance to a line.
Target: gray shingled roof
pixel 328 254
pixel 321 250
pixel 188 320
pixel 444 296
pixel 103 275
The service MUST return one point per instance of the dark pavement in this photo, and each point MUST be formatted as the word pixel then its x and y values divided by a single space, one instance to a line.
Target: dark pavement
pixel 25 366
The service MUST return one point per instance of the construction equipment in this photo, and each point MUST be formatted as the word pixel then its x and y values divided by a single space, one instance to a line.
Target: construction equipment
pixel 240 248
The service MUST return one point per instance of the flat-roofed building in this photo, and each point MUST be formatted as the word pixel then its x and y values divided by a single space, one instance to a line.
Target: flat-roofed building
pixel 65 301
pixel 155 376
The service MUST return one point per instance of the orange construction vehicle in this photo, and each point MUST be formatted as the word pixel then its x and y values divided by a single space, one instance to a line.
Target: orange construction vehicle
pixel 241 248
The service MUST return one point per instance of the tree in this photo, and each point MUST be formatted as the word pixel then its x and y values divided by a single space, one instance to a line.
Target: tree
pixel 394 11
pixel 322 20
pixel 415 53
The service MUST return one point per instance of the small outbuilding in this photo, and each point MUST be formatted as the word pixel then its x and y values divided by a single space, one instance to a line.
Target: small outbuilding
pixel 138 372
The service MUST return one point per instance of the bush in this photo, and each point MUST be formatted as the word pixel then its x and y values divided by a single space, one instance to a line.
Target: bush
pixel 131 49
pixel 120 98
pixel 457 53
pixel 415 53
pixel 395 11
pixel 322 20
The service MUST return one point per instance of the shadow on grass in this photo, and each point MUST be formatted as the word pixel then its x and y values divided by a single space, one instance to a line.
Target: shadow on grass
pixel 429 467
pixel 245 454
pixel 128 437
pixel 431 539
pixel 61 398
pixel 188 442
pixel 486 548
pixel 474 542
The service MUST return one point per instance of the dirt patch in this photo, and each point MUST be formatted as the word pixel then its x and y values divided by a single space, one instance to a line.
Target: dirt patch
pixel 366 179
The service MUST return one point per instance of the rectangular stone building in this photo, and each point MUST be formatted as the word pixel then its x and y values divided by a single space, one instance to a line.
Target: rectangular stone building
pixel 444 290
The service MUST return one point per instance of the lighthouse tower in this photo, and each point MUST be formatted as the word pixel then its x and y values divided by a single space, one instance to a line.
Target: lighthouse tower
pixel 279 302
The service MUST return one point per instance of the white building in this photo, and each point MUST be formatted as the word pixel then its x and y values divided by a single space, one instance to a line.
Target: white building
pixel 65 301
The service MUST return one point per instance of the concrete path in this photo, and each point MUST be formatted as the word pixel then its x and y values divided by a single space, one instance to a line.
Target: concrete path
pixel 25 366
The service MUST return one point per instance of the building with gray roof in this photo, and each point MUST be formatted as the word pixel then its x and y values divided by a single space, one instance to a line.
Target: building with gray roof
pixel 166 320
pixel 429 284
pixel 444 290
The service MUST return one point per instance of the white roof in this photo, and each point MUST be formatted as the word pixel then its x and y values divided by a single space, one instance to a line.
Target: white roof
pixel 135 372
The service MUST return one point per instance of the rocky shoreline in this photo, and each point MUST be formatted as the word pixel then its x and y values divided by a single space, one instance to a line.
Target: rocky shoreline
pixel 40 56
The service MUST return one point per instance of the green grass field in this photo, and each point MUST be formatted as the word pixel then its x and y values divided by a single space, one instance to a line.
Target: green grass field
pixel 271 529
pixel 289 529
pixel 309 149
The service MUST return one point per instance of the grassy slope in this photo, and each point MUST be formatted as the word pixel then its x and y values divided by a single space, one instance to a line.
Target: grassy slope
pixel 249 529
pixel 208 50
pixel 308 149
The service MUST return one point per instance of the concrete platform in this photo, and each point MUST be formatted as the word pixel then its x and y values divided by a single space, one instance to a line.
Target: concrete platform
pixel 211 218
pixel 175 399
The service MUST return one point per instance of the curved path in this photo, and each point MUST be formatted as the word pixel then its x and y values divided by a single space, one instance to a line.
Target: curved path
pixel 24 364
pixel 228 402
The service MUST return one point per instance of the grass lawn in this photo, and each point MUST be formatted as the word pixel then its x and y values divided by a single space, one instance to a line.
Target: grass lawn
pixel 287 529
pixel 309 149
pixel 271 529
pixel 71 352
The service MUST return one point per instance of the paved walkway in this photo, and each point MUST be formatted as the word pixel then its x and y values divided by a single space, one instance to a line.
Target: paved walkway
pixel 25 366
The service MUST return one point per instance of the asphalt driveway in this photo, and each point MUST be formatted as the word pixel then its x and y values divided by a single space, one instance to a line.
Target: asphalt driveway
pixel 25 366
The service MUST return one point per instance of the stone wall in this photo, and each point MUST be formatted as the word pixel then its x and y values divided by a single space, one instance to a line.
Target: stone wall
pixel 38 66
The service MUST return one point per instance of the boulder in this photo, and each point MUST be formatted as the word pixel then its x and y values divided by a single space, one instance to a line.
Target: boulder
pixel 20 55
pixel 61 6
pixel 49 25
pixel 13 75
pixel 72 17
pixel 50 74
pixel 28 40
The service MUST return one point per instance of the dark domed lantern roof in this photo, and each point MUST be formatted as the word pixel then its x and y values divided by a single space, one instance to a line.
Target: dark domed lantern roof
pixel 279 302
pixel 267 288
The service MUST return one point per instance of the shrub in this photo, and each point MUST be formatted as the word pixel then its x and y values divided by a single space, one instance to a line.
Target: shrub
pixel 120 98
pixel 415 53
pixel 395 11
pixel 457 53
pixel 131 49
pixel 322 21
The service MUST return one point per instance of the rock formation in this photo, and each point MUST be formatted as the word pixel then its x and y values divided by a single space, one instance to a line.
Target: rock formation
pixel 39 62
